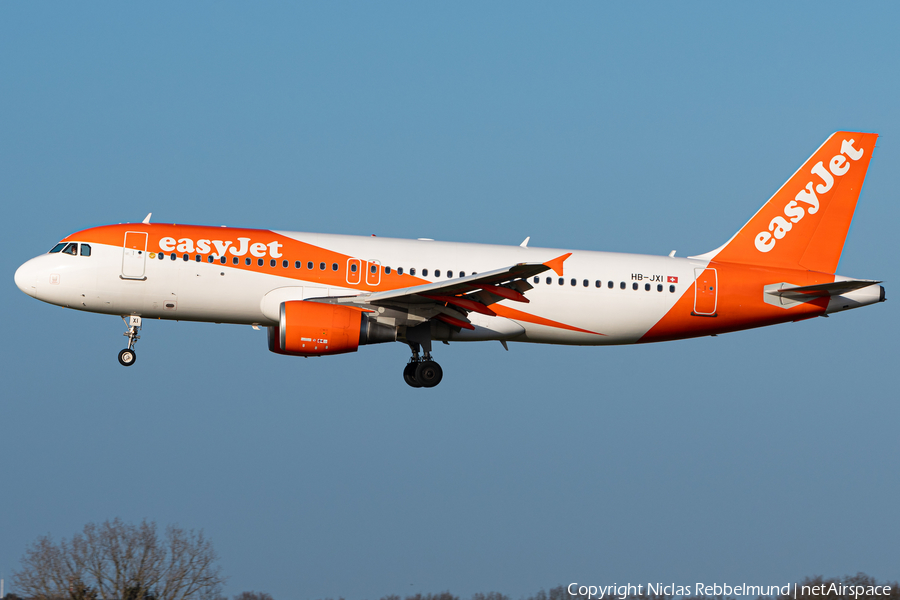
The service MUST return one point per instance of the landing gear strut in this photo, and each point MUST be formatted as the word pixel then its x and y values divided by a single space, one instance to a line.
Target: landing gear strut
pixel 422 371
pixel 128 356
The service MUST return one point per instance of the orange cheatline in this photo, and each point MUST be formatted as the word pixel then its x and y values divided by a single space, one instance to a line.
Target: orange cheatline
pixel 518 315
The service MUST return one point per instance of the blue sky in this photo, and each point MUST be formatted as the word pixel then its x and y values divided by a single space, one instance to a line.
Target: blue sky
pixel 757 457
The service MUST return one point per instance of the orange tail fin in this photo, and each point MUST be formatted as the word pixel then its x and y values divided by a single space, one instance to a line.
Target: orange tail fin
pixel 805 223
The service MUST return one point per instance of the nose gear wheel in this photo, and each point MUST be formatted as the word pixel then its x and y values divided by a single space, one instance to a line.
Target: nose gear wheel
pixel 127 357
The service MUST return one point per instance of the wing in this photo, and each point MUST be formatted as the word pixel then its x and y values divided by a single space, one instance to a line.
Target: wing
pixel 451 300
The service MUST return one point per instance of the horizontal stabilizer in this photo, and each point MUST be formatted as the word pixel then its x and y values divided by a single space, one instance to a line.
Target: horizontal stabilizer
pixel 823 289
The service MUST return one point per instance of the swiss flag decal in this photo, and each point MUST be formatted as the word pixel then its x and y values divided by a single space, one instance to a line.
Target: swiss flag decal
pixel 671 279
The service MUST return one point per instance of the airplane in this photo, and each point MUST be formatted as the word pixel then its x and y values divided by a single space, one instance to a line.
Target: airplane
pixel 322 294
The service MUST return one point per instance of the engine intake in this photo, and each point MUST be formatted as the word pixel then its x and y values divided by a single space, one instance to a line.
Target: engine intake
pixel 316 329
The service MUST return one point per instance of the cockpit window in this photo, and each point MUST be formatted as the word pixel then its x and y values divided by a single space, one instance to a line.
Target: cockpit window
pixel 85 249
pixel 58 247
pixel 71 248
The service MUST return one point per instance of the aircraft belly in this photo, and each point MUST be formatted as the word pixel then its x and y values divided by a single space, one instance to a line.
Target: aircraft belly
pixel 488 328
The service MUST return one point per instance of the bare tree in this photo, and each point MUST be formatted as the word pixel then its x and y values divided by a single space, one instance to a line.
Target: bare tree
pixel 253 596
pixel 116 560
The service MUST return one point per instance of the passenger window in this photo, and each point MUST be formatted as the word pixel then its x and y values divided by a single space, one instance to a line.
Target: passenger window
pixel 537 279
pixel 659 287
pixel 562 281
pixel 297 264
pixel 610 285
pixel 462 273
pixel 57 248
pixel 260 262
pixel 162 256
pixel 634 286
pixel 222 260
pixel 412 271
pixel 85 250
pixel 209 258
pixel 284 264
pixel 273 262
pixel 185 257
pixel 622 286
pixel 549 280
pixel 586 283
pixel 449 274
pixel 235 260
pixel 309 265
pixel 399 270
pixel 172 256
pixel 646 287
pixel 334 266
pixel 573 282
pixel 424 272
pixel 197 258
pixel 437 272
pixel 598 283
pixel 248 261
pixel 387 270
pixel 353 268
pixel 672 288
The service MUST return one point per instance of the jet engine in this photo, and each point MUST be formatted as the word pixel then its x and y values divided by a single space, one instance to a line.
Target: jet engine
pixel 316 329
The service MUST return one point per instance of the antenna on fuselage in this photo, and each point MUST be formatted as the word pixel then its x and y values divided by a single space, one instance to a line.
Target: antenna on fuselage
pixel 147 218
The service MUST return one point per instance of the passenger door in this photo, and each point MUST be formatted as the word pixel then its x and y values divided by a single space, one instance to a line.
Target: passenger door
pixel 134 255
pixel 373 272
pixel 706 292
pixel 354 266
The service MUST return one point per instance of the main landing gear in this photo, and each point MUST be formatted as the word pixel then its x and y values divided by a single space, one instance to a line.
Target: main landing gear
pixel 422 372
pixel 128 356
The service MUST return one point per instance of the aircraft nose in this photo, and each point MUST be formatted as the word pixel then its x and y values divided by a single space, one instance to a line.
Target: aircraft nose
pixel 25 279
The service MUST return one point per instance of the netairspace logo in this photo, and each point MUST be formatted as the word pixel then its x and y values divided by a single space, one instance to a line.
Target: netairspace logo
pixel 623 591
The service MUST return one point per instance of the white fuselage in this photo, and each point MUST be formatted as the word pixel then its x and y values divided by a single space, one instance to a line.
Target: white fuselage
pixel 200 291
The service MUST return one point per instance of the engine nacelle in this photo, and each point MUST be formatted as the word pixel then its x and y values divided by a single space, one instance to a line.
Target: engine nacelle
pixel 316 329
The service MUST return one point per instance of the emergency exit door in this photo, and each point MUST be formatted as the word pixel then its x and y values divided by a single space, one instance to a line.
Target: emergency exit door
pixel 373 272
pixel 134 255
pixel 706 292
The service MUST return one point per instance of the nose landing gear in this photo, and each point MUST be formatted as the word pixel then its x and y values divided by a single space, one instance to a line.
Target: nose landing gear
pixel 128 356
pixel 422 372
